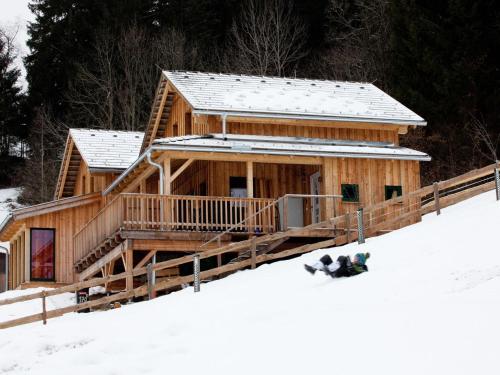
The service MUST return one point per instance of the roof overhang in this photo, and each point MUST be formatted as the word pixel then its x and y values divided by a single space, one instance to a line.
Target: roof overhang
pixel 289 116
pixel 279 146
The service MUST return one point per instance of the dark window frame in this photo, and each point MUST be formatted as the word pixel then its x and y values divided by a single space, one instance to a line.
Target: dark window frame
pixel 392 188
pixel 349 199
pixel 53 254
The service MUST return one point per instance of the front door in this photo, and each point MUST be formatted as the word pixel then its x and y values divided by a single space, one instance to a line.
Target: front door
pixel 315 211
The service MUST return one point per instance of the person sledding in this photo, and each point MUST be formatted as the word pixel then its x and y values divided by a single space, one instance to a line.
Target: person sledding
pixel 342 267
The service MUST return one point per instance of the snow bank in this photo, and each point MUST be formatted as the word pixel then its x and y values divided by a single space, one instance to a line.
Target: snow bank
pixel 429 305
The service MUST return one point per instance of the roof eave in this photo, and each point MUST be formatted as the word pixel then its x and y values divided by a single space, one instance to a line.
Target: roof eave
pixel 289 116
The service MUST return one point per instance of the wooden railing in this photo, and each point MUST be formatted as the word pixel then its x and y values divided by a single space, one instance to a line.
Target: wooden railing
pixel 99 228
pixel 196 213
pixel 151 212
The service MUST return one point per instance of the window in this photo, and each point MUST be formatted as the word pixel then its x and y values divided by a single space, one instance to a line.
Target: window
pixel 42 254
pixel 175 130
pixel 350 192
pixel 393 191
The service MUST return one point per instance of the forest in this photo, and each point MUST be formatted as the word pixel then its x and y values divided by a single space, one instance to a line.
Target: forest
pixel 96 64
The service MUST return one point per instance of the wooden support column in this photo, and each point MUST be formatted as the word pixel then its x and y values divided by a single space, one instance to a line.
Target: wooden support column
pixel 167 171
pixel 24 259
pixel 249 179
pixel 328 187
pixel 250 206
pixel 129 266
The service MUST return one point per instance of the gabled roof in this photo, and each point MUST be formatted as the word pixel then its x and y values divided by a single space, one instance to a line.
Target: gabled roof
pixel 274 97
pixel 104 151
pixel 290 97
pixel 107 149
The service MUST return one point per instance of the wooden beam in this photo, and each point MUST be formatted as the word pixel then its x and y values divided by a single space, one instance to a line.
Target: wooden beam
pixel 181 169
pixel 96 267
pixel 129 267
pixel 159 114
pixel 145 259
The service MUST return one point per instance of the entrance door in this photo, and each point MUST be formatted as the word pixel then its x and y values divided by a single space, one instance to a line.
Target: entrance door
pixel 316 211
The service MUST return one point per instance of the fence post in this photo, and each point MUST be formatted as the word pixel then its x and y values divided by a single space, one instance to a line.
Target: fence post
pixel 44 308
pixel 361 234
pixel 436 198
pixel 497 182
pixel 348 226
pixel 196 271
pixel 253 252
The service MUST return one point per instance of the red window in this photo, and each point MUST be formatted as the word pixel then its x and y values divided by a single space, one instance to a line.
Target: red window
pixel 42 254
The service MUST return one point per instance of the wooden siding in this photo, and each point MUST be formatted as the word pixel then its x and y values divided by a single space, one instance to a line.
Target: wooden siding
pixel 87 182
pixel 179 119
pixel 66 223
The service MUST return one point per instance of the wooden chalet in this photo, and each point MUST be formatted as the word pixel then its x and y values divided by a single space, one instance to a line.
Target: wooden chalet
pixel 219 153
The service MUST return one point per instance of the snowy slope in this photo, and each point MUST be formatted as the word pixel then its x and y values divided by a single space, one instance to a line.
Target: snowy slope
pixel 429 305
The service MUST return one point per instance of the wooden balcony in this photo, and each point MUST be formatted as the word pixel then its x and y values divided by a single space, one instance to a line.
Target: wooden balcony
pixel 173 213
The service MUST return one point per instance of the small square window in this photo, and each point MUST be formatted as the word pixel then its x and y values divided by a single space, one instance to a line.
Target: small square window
pixel 350 193
pixel 393 191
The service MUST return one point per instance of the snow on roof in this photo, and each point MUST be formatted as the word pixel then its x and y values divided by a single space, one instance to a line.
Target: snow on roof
pixel 290 98
pixel 107 149
pixel 290 146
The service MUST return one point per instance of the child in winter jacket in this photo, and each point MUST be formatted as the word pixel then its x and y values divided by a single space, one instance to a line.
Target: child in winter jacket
pixel 343 266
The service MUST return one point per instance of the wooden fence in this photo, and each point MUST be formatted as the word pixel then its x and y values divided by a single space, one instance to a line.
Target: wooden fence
pixel 412 205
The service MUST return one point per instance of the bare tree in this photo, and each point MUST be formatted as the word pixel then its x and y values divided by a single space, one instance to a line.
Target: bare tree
pixel 359 41
pixel 115 91
pixel 268 38
pixel 482 139
pixel 39 174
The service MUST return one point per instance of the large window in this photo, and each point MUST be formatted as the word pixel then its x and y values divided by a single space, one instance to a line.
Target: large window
pixel 42 254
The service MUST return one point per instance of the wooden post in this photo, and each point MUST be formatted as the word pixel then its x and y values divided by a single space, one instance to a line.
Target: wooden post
pixel 348 226
pixel 44 308
pixel 167 172
pixel 129 265
pixel 436 198
pixel 219 256
pixel 285 214
pixel 497 182
pixel 253 251
pixel 167 190
pixel 151 282
pixel 249 179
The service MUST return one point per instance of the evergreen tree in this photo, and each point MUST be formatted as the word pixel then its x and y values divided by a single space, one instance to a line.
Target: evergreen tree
pixel 12 119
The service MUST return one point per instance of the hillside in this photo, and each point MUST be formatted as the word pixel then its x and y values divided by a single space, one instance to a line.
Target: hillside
pixel 429 305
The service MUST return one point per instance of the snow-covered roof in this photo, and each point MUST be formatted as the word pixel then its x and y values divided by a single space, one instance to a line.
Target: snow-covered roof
pixel 298 146
pixel 107 149
pixel 290 98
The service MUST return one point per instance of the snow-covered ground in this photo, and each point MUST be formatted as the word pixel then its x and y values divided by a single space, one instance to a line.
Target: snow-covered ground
pixel 429 305
pixel 8 201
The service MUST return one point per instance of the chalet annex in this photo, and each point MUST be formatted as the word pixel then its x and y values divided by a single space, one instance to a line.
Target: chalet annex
pixel 218 153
